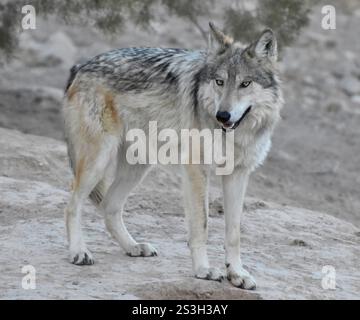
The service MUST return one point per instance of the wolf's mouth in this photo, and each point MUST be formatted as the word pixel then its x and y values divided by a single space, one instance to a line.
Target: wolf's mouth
pixel 232 126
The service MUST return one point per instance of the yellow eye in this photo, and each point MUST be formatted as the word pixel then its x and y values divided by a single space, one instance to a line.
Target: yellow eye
pixel 219 82
pixel 245 84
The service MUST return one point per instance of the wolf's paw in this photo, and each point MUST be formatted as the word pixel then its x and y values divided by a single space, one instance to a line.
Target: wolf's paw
pixel 241 278
pixel 142 250
pixel 82 258
pixel 209 274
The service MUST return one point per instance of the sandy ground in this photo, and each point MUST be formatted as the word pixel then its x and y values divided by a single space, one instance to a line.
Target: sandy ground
pixel 313 167
pixel 285 248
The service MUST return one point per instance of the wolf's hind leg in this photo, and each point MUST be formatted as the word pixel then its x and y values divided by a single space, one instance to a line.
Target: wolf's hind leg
pixel 128 177
pixel 90 166
pixel 195 185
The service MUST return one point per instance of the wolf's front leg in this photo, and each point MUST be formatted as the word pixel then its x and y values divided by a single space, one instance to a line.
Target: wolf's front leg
pixel 195 185
pixel 234 187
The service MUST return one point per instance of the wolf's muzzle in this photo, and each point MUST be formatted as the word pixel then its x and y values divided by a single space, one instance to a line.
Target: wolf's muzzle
pixel 230 125
pixel 242 117
pixel 223 116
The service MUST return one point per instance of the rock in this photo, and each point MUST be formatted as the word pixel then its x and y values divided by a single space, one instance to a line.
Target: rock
pixel 299 242
pixel 33 158
pixel 330 44
pixel 309 81
pixel 350 85
pixel 316 37
pixel 350 55
pixel 356 99
pixel 35 110
pixel 60 46
pixel 34 191
pixel 333 107
pixel 58 50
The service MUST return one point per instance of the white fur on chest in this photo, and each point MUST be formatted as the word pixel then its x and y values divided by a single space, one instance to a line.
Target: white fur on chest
pixel 251 150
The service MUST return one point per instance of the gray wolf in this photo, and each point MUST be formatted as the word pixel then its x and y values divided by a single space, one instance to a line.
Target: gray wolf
pixel 228 86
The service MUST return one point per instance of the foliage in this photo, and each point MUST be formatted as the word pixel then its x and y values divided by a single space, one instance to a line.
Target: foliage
pixel 285 17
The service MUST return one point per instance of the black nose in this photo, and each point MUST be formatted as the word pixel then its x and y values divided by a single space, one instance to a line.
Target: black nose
pixel 223 116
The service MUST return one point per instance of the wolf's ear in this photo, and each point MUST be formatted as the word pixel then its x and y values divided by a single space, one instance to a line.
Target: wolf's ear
pixel 218 41
pixel 266 46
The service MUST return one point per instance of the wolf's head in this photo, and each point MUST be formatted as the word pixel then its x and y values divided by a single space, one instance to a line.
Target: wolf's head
pixel 242 82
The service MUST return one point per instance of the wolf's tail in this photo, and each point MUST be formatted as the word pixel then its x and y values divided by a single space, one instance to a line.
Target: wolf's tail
pixel 97 194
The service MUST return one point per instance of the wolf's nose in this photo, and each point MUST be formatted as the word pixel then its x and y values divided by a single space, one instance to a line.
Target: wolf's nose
pixel 223 116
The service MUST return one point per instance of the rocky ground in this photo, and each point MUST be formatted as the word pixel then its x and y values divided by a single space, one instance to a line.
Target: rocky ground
pixel 314 165
pixel 285 248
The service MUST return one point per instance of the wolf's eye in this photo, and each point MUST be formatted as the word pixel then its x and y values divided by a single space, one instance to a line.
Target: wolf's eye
pixel 245 84
pixel 219 82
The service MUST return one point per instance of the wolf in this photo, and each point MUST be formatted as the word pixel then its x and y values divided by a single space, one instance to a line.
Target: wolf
pixel 228 85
